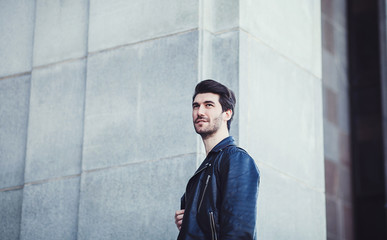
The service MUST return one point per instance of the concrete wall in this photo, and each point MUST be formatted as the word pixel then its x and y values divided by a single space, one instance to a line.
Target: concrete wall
pixel 281 114
pixel 96 134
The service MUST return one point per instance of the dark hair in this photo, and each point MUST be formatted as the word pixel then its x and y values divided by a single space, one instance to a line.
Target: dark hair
pixel 226 96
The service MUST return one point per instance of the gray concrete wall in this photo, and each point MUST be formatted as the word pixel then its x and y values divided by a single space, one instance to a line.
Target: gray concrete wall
pixel 281 114
pixel 96 135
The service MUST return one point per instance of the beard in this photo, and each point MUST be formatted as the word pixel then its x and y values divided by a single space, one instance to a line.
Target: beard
pixel 213 126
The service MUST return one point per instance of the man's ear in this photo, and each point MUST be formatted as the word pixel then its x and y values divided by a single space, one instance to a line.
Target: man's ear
pixel 228 114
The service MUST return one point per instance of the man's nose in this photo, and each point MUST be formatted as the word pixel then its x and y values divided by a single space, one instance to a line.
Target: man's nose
pixel 201 110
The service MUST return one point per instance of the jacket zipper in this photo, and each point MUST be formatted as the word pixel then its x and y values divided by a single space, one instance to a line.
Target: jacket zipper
pixel 204 192
pixel 212 225
pixel 196 173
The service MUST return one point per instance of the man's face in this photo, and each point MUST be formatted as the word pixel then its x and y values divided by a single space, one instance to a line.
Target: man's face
pixel 207 114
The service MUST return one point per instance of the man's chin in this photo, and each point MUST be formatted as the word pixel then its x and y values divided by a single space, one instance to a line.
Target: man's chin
pixel 204 133
pixel 200 131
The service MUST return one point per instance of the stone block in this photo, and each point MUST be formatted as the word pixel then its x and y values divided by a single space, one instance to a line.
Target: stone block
pixel 55 131
pixel 16 36
pixel 225 58
pixel 331 178
pixel 332 218
pixel 331 73
pixel 119 22
pixel 10 214
pixel 14 104
pixel 334 40
pixel 138 102
pixel 292 28
pixel 331 141
pixel 331 110
pixel 335 11
pixel 284 123
pixel 60 30
pixel 50 210
pixel 328 36
pixel 137 201
pixel 341 48
pixel 327 8
pixel 299 210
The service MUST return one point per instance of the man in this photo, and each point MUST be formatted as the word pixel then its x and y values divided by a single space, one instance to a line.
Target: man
pixel 220 198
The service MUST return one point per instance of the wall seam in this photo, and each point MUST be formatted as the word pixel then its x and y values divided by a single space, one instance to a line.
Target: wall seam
pixel 12 188
pixel 28 116
pixel 96 170
pixel 86 57
pixel 141 41
pixel 15 75
pixel 140 162
pixel 114 48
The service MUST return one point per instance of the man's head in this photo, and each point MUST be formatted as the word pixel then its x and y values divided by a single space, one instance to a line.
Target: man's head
pixel 213 104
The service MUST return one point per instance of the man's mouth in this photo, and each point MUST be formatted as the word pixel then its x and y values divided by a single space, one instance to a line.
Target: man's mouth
pixel 200 120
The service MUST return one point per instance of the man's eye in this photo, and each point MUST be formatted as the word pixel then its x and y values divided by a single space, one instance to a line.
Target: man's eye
pixel 209 105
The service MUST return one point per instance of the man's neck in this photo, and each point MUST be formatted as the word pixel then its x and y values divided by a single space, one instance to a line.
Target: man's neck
pixel 211 141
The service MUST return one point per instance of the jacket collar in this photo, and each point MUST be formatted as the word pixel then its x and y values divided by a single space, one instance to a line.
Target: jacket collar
pixel 223 144
pixel 228 141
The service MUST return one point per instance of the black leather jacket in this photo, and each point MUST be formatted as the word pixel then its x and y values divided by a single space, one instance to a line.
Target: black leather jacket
pixel 220 198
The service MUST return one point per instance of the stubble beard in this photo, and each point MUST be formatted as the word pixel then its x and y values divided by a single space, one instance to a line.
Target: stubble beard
pixel 211 129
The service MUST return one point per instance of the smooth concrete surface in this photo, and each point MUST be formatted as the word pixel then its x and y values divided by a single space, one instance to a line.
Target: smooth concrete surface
pixel 138 102
pixel 14 105
pixel 16 36
pixel 219 16
pixel 289 209
pixel 60 30
pixel 50 210
pixel 284 122
pixel 55 129
pixel 291 28
pixel 137 201
pixel 119 22
pixel 10 214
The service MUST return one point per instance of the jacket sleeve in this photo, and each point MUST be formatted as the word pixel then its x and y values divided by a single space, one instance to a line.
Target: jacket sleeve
pixel 239 182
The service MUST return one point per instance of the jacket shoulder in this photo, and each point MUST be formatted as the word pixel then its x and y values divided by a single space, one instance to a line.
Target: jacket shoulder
pixel 236 157
pixel 233 152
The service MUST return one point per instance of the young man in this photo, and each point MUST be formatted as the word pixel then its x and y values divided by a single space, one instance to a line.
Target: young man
pixel 220 198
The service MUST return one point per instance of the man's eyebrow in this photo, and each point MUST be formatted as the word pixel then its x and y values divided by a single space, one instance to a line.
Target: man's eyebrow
pixel 205 102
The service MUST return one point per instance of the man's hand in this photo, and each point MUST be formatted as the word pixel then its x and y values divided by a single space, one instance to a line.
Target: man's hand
pixel 179 218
